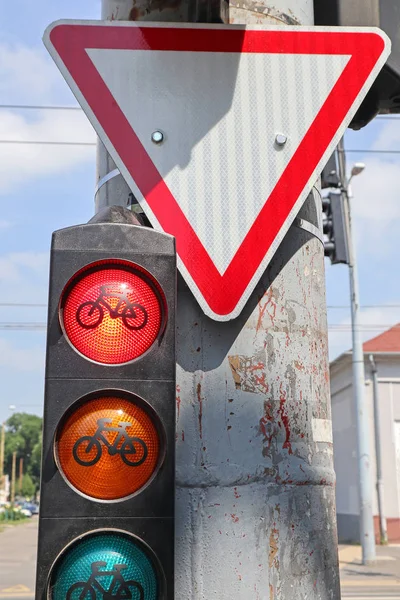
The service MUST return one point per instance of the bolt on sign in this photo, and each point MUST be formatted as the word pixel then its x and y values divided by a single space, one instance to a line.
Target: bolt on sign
pixel 106 524
pixel 220 131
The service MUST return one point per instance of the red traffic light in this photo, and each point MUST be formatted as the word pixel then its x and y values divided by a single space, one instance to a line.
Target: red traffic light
pixel 112 311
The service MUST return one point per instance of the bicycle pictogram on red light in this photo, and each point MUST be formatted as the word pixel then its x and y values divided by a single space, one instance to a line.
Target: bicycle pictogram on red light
pixel 90 314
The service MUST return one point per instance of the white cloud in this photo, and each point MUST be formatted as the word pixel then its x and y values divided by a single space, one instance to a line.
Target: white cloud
pixel 23 277
pixel 376 202
pixel 26 72
pixel 21 359
pixel 38 261
pixel 4 224
pixel 24 69
pixel 20 163
pixel 374 321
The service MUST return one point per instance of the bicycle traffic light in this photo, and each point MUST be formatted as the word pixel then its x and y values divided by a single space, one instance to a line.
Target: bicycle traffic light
pixel 335 228
pixel 106 524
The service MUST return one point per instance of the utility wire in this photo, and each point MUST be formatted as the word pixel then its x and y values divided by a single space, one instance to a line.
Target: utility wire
pixel 38 107
pixel 22 304
pixel 330 306
pixel 60 143
pixel 347 306
pixel 339 327
pixel 393 117
pixel 374 151
pixel 47 143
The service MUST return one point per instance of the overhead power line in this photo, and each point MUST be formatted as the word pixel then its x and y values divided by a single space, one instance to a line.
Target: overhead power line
pixel 61 143
pixel 339 327
pixel 347 306
pixel 373 151
pixel 22 304
pixel 38 107
pixel 330 306
pixel 47 143
pixel 57 107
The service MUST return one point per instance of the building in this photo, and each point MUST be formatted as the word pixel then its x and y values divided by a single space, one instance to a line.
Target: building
pixel 385 349
pixel 4 490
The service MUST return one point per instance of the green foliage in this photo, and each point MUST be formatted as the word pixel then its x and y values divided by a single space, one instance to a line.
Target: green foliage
pixel 24 436
pixel 9 514
pixel 28 487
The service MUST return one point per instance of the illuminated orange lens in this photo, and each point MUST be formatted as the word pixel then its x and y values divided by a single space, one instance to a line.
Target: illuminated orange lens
pixel 112 312
pixel 108 448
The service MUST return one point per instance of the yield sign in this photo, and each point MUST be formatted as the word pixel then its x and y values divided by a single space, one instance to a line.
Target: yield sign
pixel 219 95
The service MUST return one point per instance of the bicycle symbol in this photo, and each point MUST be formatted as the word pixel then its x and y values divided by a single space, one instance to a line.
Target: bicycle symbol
pixel 119 589
pixel 91 313
pixel 126 446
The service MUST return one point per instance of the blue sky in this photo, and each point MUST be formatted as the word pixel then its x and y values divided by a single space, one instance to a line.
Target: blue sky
pixel 43 188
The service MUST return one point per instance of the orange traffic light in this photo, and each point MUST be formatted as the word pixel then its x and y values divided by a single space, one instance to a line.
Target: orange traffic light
pixel 108 447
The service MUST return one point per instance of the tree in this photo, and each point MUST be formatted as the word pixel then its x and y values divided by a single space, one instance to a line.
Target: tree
pixel 23 436
pixel 28 487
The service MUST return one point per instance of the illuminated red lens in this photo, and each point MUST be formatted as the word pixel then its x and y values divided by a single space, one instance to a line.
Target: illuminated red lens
pixel 112 311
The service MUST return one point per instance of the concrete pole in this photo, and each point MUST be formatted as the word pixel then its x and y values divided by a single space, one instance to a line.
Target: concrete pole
pixel 367 534
pixel 378 454
pixel 255 498
pixel 13 476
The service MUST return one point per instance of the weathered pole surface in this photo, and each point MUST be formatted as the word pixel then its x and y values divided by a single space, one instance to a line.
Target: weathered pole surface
pixel 255 497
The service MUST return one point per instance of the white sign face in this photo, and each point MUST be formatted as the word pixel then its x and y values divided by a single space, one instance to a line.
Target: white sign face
pixel 247 120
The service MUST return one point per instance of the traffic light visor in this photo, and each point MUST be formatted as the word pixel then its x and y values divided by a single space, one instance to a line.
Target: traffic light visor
pixel 112 311
pixel 108 447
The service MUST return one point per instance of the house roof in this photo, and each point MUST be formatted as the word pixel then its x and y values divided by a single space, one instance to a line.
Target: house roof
pixel 388 341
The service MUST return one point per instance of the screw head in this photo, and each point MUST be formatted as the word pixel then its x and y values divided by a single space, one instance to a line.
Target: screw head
pixel 280 139
pixel 157 137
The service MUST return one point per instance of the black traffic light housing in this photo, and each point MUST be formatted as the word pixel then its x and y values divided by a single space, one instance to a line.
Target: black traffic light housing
pixel 384 95
pixel 335 228
pixel 65 513
pixel 330 173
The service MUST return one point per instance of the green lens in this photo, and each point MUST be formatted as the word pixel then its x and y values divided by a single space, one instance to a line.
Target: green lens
pixel 105 565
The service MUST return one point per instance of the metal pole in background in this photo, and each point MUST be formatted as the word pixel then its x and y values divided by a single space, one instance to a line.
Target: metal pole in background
pixel 21 472
pixel 255 497
pixel 378 454
pixel 13 476
pixel 2 444
pixel 367 536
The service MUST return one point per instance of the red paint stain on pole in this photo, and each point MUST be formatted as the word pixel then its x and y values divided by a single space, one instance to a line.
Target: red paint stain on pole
pixel 285 419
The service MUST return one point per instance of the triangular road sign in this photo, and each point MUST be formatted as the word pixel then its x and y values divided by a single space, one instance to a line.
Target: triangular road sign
pixel 247 118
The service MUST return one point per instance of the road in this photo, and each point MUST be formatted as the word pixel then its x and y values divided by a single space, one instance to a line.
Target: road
pixel 18 565
pixel 18 561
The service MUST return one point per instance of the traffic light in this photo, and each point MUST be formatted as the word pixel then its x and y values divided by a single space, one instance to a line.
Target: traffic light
pixel 330 173
pixel 106 524
pixel 384 95
pixel 335 228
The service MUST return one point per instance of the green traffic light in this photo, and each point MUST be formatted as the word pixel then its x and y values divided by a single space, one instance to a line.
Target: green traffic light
pixel 105 565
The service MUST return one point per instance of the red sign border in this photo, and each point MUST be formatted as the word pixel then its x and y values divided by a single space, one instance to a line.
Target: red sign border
pixel 222 293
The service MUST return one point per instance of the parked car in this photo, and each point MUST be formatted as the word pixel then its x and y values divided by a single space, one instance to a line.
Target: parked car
pixel 32 507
